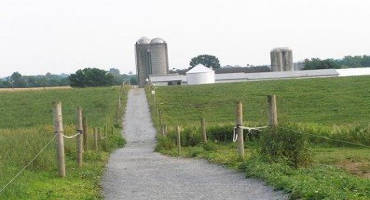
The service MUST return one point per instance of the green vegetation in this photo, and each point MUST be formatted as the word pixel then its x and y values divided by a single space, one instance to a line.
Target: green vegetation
pixel 206 60
pixel 16 80
pixel 91 77
pixel 313 115
pixel 27 125
pixel 346 62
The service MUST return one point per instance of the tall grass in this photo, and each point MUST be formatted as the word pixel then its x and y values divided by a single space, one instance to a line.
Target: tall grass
pixel 27 126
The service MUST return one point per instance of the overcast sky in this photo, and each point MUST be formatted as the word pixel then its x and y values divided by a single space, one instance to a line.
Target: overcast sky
pixel 39 36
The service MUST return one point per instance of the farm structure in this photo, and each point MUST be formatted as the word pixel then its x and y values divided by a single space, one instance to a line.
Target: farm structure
pixel 163 80
pixel 151 58
pixel 281 59
pixel 200 75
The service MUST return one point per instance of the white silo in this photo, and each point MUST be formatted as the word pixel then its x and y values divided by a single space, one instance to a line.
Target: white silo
pixel 159 56
pixel 200 75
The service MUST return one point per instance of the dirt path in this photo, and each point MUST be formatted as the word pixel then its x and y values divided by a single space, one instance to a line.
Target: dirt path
pixel 136 172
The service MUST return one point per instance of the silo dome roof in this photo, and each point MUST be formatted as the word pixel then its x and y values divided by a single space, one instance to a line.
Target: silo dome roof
pixel 281 49
pixel 143 40
pixel 157 41
pixel 199 69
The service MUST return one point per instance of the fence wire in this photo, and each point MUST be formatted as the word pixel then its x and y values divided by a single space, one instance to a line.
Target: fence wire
pixel 28 164
pixel 327 138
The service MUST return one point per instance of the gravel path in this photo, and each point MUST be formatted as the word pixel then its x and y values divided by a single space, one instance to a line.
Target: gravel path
pixel 136 172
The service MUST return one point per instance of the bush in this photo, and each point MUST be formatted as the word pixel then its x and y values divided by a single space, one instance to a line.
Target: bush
pixel 164 143
pixel 279 144
pixel 209 146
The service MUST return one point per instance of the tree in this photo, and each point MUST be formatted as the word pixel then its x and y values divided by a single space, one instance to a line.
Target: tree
pixel 206 60
pixel 91 77
pixel 317 63
pixel 16 80
pixel 117 77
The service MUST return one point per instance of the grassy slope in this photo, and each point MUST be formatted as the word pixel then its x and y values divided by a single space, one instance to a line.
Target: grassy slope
pixel 26 126
pixel 326 100
pixel 318 102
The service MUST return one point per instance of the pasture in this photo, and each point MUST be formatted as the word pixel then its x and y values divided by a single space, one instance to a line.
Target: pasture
pixel 26 125
pixel 333 114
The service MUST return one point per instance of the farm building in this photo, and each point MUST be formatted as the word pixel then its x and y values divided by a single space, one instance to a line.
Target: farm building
pixel 175 79
pixel 200 75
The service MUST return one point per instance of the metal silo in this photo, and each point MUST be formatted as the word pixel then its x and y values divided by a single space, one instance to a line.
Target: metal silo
pixel 143 67
pixel 159 56
pixel 281 59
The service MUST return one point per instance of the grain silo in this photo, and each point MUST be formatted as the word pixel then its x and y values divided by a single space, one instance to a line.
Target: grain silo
pixel 200 75
pixel 159 56
pixel 143 66
pixel 281 59
pixel 151 58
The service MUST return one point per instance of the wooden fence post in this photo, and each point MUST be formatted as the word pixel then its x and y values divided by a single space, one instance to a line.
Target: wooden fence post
pixel 85 132
pixel 178 140
pixel 100 139
pixel 204 130
pixel 59 131
pixel 79 128
pixel 239 130
pixel 96 139
pixel 164 129
pixel 273 118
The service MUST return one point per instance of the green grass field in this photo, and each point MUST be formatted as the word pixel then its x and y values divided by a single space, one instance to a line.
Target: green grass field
pixel 325 101
pixel 26 125
pixel 335 108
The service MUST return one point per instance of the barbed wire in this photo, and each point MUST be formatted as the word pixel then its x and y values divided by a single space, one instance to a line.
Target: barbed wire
pixel 28 164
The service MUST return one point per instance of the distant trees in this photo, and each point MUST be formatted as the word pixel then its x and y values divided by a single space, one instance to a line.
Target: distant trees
pixel 316 63
pixel 91 77
pixel 346 62
pixel 17 80
pixel 354 61
pixel 206 60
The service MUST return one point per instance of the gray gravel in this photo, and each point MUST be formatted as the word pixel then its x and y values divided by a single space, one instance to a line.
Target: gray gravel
pixel 136 172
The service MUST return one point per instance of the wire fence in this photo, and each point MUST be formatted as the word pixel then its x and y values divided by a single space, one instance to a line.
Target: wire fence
pixel 255 113
pixel 100 138
pixel 28 164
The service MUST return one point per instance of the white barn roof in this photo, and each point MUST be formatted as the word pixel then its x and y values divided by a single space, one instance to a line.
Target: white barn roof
pixel 199 69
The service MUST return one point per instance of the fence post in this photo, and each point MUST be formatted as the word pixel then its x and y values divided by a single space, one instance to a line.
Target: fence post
pixel 204 130
pixel 96 139
pixel 85 132
pixel 100 138
pixel 160 117
pixel 164 131
pixel 239 130
pixel 178 140
pixel 79 128
pixel 58 129
pixel 273 118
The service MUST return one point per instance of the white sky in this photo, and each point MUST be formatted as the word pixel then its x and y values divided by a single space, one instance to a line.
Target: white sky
pixel 61 36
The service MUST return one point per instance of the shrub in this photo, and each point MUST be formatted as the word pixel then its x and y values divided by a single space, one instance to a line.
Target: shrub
pixel 279 144
pixel 164 143
pixel 210 146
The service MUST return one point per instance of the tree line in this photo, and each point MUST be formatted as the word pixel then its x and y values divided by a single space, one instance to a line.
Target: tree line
pixel 87 77
pixel 346 62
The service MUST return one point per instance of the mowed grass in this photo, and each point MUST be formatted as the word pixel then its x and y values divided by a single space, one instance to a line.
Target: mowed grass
pixel 27 125
pixel 324 101
pixel 335 108
pixel 33 108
